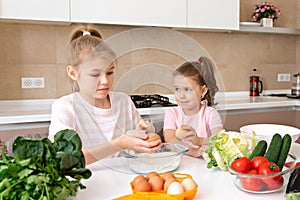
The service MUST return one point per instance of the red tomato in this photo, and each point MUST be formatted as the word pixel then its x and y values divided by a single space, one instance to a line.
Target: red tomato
pixel 268 168
pixel 252 183
pixel 242 164
pixel 257 161
pixel 272 183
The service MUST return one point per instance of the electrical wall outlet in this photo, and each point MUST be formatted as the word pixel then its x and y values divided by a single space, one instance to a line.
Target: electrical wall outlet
pixel 283 77
pixel 33 82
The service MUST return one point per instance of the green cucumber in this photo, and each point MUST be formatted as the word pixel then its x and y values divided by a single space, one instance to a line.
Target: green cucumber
pixel 285 149
pixel 259 150
pixel 274 148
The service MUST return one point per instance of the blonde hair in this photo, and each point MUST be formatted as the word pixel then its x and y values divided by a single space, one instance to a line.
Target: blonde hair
pixel 86 41
pixel 202 71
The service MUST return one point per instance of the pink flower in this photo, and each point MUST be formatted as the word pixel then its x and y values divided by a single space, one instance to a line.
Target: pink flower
pixel 265 9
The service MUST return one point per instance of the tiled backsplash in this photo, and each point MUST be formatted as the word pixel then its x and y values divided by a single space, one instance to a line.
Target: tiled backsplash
pixel 35 50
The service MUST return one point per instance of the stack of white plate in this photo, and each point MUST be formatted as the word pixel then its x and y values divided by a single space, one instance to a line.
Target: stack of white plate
pixel 266 131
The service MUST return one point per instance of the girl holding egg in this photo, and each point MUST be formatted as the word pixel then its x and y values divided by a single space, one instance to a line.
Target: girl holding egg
pixel 106 121
pixel 194 120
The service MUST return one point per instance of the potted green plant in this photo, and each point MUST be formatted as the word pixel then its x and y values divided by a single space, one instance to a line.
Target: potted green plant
pixel 265 13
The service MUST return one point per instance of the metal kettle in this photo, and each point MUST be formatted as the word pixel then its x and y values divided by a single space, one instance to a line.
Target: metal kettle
pixel 296 85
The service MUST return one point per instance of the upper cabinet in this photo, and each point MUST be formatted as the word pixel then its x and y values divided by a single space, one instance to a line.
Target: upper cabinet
pixel 168 13
pixel 209 14
pixel 206 14
pixel 45 10
pixel 213 14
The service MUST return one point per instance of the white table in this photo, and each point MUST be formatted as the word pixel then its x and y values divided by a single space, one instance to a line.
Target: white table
pixel 108 183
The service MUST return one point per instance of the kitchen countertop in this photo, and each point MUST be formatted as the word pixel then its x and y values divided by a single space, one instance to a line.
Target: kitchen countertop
pixel 212 183
pixel 33 111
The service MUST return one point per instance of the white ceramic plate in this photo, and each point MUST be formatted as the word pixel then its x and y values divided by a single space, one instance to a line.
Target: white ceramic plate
pixel 250 24
pixel 266 131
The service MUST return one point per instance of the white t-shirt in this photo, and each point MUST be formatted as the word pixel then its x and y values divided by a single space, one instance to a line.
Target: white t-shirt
pixel 94 125
pixel 203 122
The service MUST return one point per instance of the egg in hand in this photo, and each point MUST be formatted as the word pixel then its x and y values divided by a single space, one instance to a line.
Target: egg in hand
pixel 180 133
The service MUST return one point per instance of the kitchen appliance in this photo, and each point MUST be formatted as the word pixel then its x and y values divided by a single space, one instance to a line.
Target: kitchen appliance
pixel 256 86
pixel 147 101
pixel 296 85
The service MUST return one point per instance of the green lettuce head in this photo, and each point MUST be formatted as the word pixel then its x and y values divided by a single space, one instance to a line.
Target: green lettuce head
pixel 224 145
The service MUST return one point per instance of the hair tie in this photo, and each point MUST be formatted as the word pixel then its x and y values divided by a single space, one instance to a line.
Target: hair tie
pixel 86 33
pixel 198 61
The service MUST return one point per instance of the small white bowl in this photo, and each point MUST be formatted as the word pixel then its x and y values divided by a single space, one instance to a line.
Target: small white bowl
pixel 266 131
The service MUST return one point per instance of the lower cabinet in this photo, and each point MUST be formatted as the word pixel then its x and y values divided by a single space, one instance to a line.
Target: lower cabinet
pixel 14 130
pixel 234 120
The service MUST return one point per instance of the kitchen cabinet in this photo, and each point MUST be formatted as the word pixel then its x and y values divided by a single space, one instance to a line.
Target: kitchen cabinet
pixel 235 120
pixel 209 14
pixel 168 13
pixel 45 10
pixel 213 14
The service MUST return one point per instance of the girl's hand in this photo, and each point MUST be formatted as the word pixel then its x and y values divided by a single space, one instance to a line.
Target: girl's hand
pixel 189 133
pixel 145 125
pixel 136 140
pixel 196 152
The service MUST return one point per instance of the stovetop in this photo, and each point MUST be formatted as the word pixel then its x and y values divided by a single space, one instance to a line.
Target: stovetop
pixel 147 101
pixel 284 95
pixel 276 95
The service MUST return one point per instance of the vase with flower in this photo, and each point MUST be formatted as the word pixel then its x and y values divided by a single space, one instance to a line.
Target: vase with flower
pixel 265 13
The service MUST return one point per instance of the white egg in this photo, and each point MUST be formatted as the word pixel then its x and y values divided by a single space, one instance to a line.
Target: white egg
pixel 180 133
pixel 188 184
pixel 175 188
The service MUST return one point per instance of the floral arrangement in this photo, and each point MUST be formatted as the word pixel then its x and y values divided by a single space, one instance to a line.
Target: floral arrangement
pixel 265 10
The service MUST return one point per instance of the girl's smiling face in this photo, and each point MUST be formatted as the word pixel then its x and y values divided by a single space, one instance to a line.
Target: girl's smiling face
pixel 188 94
pixel 95 78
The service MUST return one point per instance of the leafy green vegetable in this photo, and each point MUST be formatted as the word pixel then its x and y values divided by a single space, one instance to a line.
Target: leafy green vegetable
pixel 224 145
pixel 43 170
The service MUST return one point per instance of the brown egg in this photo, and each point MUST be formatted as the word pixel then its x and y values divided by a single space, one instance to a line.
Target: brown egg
pixel 138 178
pixel 168 182
pixel 142 186
pixel 156 183
pixel 150 174
pixel 167 175
pixel 152 137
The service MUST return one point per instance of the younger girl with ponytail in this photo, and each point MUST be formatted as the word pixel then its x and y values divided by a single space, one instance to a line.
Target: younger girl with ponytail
pixel 194 118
